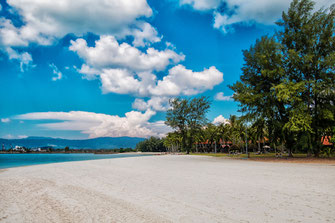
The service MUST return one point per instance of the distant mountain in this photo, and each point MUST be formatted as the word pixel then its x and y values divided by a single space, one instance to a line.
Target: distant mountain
pixel 96 143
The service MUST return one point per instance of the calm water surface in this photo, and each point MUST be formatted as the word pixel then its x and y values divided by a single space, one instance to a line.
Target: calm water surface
pixel 15 160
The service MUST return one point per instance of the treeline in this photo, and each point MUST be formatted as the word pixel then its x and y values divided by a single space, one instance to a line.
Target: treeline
pixel 151 144
pixel 234 135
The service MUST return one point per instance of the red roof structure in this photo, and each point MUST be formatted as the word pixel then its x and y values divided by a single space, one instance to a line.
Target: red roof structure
pixel 326 141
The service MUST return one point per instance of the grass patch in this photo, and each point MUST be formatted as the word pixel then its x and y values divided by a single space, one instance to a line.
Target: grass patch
pixel 252 155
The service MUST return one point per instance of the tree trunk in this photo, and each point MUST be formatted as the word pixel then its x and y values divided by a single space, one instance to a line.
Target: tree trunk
pixel 259 145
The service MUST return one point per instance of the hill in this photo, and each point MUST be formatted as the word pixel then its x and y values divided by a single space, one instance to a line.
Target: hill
pixel 95 143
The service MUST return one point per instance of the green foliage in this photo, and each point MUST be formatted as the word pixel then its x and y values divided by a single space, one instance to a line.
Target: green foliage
pixel 152 144
pixel 327 152
pixel 187 116
pixel 289 79
pixel 124 150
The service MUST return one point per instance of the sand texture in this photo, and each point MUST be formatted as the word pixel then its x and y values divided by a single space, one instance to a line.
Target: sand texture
pixel 168 188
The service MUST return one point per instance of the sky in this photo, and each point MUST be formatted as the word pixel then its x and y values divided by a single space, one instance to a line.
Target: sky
pixel 107 68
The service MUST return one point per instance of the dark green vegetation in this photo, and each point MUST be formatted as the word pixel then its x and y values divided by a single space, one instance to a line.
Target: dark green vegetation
pixel 288 81
pixel 152 144
pixel 187 116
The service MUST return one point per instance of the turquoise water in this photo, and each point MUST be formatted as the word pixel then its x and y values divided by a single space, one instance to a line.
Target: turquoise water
pixel 15 160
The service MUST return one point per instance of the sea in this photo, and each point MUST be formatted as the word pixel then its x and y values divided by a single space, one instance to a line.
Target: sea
pixel 17 160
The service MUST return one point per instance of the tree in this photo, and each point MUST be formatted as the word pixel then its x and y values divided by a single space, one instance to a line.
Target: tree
pixel 187 116
pixel 259 132
pixel 262 70
pixel 308 52
pixel 288 80
pixel 211 135
pixel 151 144
pixel 172 141
pixel 66 149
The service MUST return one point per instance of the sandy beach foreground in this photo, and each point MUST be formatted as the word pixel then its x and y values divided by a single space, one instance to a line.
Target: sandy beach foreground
pixel 168 189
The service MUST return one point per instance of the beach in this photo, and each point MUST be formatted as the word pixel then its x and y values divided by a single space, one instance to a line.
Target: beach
pixel 168 188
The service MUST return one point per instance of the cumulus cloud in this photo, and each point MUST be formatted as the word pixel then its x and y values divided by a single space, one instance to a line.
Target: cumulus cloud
pixel 178 81
pixel 134 124
pixel 182 81
pixel 229 12
pixel 88 72
pixel 124 69
pixel 154 103
pixel 56 72
pixel 43 22
pixel 220 97
pixel 220 120
pixel 5 120
pixel 119 81
pixel 46 20
pixel 108 53
pixel 145 35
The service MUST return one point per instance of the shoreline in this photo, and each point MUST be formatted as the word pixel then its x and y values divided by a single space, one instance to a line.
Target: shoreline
pixel 23 161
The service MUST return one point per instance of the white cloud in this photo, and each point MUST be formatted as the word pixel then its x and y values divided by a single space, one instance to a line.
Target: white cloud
pixel 22 136
pixel 182 81
pixel 245 12
pixel 45 21
pixel 119 81
pixel 24 58
pixel 220 97
pixel 88 72
pixel 108 53
pixel 145 35
pixel 248 12
pixel 5 120
pixel 134 124
pixel 154 103
pixel 220 119
pixel 56 72
pixel 124 69
pixel 179 81
pixel 201 5
pixel 10 136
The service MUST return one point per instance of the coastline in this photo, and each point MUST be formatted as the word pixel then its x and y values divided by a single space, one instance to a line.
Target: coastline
pixel 168 189
pixel 12 160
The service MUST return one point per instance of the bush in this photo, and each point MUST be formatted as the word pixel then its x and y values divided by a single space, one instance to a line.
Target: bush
pixel 252 148
pixel 234 149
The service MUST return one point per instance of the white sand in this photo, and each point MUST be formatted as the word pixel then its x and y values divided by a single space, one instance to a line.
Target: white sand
pixel 168 189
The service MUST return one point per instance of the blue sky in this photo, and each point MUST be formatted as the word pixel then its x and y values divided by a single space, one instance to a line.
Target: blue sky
pixel 84 69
